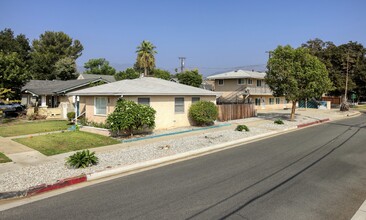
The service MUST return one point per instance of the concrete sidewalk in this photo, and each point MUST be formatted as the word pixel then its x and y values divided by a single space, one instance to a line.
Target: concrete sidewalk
pixel 20 155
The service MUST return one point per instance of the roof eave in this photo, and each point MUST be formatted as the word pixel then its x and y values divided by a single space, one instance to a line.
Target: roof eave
pixel 63 91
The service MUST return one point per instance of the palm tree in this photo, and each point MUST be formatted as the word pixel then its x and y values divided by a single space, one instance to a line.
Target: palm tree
pixel 145 56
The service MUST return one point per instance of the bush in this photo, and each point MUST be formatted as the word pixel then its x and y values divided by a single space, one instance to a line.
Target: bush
pixel 35 116
pixel 70 116
pixel 129 117
pixel 82 159
pixel 279 122
pixel 242 128
pixel 203 113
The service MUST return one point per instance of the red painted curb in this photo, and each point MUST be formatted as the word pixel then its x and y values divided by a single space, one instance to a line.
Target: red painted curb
pixel 60 184
pixel 324 120
pixel 314 122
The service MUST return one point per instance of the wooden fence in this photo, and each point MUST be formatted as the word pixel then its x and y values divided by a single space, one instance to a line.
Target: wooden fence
pixel 333 99
pixel 235 111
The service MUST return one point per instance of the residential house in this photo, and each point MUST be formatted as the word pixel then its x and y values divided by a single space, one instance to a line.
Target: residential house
pixel 49 95
pixel 241 86
pixel 171 100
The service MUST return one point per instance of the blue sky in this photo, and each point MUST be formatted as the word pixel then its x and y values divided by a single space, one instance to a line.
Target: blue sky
pixel 213 35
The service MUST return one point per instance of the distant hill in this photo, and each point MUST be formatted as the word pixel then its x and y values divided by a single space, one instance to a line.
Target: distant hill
pixel 117 66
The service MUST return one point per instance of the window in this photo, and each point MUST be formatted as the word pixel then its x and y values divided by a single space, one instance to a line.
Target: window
pixel 221 82
pixel 195 99
pixel 250 81
pixel 259 83
pixel 100 104
pixel 241 81
pixel 179 105
pixel 143 101
pixel 257 101
pixel 271 101
pixel 278 100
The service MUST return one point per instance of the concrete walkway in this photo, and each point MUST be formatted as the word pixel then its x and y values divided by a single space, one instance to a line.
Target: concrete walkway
pixel 20 155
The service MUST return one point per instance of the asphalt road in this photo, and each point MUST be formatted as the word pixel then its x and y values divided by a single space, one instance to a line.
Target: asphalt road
pixel 313 173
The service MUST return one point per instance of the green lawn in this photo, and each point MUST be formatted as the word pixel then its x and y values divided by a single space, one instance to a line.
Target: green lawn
pixel 58 143
pixel 4 159
pixel 360 107
pixel 31 127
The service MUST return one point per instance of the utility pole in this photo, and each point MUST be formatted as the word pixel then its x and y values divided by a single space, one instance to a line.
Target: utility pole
pixel 182 59
pixel 269 54
pixel 345 91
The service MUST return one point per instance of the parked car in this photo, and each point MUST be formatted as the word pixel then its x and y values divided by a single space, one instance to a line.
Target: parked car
pixel 11 110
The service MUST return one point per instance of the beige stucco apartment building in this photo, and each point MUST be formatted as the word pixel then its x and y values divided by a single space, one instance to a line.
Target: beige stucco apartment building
pixel 242 86
pixel 171 100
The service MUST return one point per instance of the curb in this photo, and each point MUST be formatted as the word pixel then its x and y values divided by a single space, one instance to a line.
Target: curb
pixel 43 188
pixel 312 123
pixel 142 165
pixel 164 160
pixel 361 212
pixel 60 184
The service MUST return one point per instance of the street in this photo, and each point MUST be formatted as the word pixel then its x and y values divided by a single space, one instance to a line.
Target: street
pixel 313 173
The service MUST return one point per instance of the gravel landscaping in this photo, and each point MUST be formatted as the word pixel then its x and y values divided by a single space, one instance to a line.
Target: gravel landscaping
pixel 50 172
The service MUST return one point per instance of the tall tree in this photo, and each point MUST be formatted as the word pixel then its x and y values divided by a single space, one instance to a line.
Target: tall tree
pixel 99 66
pixel 145 56
pixel 65 68
pixel 18 44
pixel 13 73
pixel 50 48
pixel 339 60
pixel 14 62
pixel 296 74
pixel 190 78
pixel 129 73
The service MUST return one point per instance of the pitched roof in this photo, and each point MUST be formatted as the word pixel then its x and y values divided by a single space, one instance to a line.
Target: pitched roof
pixel 108 78
pixel 51 87
pixel 148 86
pixel 238 74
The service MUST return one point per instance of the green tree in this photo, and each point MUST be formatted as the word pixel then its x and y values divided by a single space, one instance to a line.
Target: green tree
pixel 14 62
pixel 65 69
pixel 13 73
pixel 4 93
pixel 191 78
pixel 162 74
pixel 99 66
pixel 145 57
pixel 129 117
pixel 50 48
pixel 18 44
pixel 340 59
pixel 296 74
pixel 129 73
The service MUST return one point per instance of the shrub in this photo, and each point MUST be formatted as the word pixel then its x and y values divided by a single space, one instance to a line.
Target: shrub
pixel 242 128
pixel 82 159
pixel 203 113
pixel 35 116
pixel 70 116
pixel 129 117
pixel 279 122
